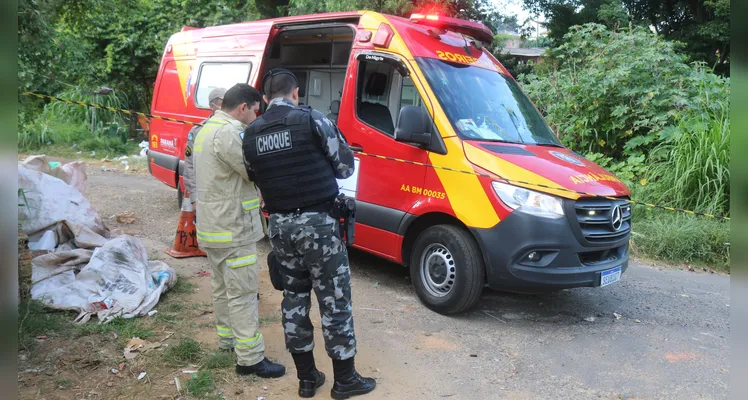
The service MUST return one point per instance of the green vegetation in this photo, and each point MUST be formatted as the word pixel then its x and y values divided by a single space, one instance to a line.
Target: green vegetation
pixel 36 321
pixel 201 384
pixel 683 239
pixel 629 101
pixel 185 352
pixel 182 287
pixel 703 25
pixel 218 359
pixel 647 106
pixel 69 126
pixel 65 383
pixel 125 328
pixel 693 167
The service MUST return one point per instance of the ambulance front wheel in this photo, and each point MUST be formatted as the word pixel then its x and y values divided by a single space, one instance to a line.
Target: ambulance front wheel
pixel 447 270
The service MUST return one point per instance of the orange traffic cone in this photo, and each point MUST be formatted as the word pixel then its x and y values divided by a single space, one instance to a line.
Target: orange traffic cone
pixel 185 242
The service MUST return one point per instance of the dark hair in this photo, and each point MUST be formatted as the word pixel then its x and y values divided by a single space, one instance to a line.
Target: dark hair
pixel 278 82
pixel 238 94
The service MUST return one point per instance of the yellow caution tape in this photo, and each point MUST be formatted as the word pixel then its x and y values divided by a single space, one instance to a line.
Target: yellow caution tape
pixel 468 172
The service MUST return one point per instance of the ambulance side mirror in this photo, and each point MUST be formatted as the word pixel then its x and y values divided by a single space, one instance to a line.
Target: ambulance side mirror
pixel 413 126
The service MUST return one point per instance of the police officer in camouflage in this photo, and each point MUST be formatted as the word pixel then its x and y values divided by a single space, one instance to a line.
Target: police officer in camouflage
pixel 294 155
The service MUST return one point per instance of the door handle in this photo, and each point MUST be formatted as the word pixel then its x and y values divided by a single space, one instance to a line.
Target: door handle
pixel 356 147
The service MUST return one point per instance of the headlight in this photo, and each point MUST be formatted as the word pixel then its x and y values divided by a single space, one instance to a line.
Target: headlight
pixel 528 201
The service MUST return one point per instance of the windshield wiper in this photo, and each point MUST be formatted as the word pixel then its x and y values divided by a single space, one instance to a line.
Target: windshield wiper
pixel 549 145
pixel 493 140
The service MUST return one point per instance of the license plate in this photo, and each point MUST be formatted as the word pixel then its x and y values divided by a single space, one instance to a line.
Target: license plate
pixel 610 276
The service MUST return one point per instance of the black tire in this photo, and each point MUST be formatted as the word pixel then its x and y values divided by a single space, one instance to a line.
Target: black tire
pixel 453 253
pixel 180 196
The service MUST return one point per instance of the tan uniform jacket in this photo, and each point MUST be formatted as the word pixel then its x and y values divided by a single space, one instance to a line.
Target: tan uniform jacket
pixel 228 206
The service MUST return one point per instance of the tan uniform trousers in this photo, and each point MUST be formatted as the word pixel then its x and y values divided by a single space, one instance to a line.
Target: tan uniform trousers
pixel 235 286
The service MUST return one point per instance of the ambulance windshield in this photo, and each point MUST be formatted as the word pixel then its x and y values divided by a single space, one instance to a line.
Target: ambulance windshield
pixel 486 105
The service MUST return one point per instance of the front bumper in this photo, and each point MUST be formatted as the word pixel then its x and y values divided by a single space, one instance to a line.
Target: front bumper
pixel 564 261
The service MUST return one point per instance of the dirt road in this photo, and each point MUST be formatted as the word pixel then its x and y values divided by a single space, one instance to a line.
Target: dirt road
pixel 669 340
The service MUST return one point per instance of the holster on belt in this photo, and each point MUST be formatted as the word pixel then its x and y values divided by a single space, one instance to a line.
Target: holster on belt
pixel 345 208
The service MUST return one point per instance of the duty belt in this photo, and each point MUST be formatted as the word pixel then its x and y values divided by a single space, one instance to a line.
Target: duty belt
pixel 325 207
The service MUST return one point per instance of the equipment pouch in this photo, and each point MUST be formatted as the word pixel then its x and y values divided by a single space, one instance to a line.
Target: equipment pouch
pixel 276 278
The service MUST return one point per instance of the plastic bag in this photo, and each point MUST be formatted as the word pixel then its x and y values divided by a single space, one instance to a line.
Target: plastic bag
pixel 118 280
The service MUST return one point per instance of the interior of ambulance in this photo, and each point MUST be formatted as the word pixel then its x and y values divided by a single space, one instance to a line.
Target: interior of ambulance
pixel 481 104
pixel 319 57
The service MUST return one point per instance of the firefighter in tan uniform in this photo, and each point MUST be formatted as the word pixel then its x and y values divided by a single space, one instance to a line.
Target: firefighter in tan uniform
pixel 229 227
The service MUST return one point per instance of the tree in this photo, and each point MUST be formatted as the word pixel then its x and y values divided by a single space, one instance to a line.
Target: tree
pixel 703 25
pixel 619 92
pixel 91 43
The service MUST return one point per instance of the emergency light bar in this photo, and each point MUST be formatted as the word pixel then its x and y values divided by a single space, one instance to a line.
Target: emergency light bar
pixel 473 29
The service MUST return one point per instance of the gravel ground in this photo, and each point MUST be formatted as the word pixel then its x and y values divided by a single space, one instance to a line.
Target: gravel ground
pixel 669 340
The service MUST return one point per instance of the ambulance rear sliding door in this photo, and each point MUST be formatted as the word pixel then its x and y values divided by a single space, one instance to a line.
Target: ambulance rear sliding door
pixel 387 190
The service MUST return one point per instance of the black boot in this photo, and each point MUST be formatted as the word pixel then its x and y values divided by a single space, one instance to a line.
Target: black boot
pixel 348 382
pixel 310 378
pixel 263 369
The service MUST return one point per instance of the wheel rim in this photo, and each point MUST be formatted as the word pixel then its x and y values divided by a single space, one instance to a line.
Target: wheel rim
pixel 438 270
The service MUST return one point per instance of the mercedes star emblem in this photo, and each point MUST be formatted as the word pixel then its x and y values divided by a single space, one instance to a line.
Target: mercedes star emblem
pixel 616 220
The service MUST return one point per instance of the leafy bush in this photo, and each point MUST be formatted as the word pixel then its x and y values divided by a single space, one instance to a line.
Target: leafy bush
pixel 629 170
pixel 617 92
pixel 631 103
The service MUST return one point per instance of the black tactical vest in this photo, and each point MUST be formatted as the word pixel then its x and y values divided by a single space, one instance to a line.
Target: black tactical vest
pixel 287 162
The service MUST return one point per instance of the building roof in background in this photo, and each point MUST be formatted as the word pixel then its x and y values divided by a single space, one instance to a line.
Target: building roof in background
pixel 527 52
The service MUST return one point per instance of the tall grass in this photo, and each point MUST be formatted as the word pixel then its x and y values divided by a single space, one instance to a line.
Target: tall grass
pixel 692 169
pixel 63 123
pixel 678 238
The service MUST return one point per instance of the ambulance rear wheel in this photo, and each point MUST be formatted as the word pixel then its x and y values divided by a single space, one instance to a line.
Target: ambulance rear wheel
pixel 446 268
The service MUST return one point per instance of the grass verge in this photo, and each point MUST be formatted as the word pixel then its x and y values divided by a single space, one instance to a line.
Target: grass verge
pixel 94 148
pixel 37 321
pixel 679 239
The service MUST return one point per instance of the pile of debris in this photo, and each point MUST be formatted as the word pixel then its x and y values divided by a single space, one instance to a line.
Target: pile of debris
pixel 78 264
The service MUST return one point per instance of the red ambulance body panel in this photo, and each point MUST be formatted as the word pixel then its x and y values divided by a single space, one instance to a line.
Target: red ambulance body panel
pixel 470 188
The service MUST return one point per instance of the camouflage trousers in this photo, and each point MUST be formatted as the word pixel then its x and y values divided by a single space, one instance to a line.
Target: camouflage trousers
pixel 313 256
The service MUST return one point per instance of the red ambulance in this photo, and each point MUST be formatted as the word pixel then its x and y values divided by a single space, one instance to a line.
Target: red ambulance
pixel 424 90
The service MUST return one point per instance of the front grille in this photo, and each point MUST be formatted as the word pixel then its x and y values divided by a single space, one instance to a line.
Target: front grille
pixel 595 219
pixel 592 258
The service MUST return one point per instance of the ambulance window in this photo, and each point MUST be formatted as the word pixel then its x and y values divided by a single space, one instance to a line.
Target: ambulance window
pixel 373 99
pixel 409 95
pixel 215 75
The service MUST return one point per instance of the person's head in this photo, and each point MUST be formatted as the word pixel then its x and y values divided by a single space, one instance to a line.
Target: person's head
pixel 242 102
pixel 215 98
pixel 279 82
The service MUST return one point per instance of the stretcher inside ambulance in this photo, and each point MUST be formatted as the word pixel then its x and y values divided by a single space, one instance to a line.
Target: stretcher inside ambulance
pixel 461 179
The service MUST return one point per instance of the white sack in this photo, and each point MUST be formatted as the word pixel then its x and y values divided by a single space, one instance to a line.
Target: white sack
pixel 117 281
pixel 72 173
pixel 51 200
pixel 76 173
pixel 54 270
